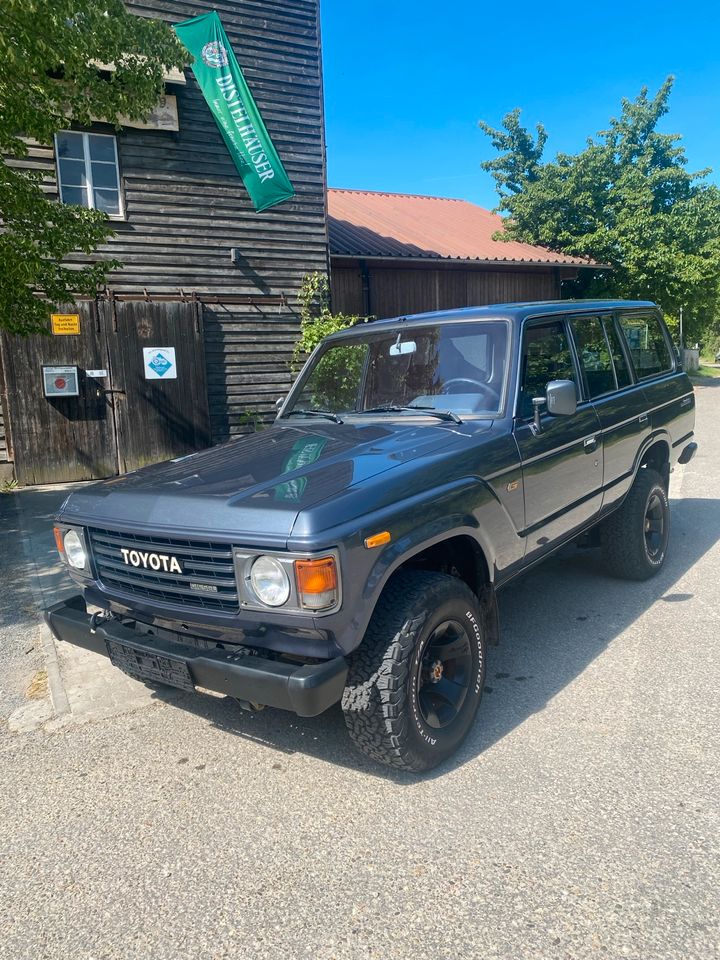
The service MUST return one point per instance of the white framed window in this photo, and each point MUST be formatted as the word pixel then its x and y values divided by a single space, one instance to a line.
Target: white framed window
pixel 88 171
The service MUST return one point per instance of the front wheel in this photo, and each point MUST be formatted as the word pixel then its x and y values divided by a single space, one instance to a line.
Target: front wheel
pixel 634 539
pixel 415 682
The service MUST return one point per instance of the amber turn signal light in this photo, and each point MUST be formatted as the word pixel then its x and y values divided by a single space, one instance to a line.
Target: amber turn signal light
pixel 378 539
pixel 59 540
pixel 317 582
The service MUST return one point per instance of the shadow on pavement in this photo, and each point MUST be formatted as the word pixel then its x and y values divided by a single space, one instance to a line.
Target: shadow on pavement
pixel 556 620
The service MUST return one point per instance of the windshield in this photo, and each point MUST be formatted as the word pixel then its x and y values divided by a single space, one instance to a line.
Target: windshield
pixel 456 367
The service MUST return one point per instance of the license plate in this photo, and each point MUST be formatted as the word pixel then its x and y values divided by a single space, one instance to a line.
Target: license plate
pixel 150 666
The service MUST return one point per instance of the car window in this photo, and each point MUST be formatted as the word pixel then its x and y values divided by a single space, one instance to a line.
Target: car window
pixel 451 366
pixel 621 368
pixel 647 344
pixel 335 384
pixel 546 356
pixel 594 355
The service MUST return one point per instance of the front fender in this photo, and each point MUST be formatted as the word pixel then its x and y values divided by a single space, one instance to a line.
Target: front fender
pixel 466 507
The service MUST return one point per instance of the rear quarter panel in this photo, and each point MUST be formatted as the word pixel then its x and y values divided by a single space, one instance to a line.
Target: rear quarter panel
pixel 671 403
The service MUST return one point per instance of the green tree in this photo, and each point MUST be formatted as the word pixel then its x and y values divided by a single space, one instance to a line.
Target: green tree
pixel 48 81
pixel 626 200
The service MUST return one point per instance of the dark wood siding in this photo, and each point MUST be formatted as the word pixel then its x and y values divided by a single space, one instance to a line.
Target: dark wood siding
pixel 347 294
pixel 187 209
pixel 4 455
pixel 396 289
pixel 6 452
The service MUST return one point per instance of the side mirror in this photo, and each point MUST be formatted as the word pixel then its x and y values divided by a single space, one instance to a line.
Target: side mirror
pixel 561 398
pixel 279 402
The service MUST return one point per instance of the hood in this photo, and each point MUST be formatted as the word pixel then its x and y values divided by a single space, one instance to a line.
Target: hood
pixel 255 486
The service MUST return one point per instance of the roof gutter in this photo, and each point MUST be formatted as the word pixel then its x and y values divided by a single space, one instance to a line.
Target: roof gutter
pixel 467 261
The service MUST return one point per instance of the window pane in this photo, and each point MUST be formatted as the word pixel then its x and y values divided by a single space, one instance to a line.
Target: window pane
pixel 107 200
pixel 459 367
pixel 594 355
pixel 621 368
pixel 104 175
pixel 648 347
pixel 70 145
pixel 72 173
pixel 102 148
pixel 334 384
pixel 546 357
pixel 76 195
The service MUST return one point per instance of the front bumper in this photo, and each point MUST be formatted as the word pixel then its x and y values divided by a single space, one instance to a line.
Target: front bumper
pixel 306 689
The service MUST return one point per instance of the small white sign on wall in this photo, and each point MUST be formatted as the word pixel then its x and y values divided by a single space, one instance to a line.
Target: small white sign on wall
pixel 160 363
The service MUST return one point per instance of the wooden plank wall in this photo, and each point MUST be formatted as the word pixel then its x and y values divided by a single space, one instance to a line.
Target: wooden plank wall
pixel 5 444
pixel 186 206
pixel 3 439
pixel 401 290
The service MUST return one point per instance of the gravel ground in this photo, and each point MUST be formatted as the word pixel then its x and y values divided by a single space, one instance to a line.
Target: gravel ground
pixel 580 818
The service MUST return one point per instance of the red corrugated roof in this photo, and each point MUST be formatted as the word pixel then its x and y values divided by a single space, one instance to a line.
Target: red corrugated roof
pixel 368 224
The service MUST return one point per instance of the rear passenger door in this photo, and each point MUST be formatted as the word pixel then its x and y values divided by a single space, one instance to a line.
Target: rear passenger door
pixel 668 393
pixel 562 464
pixel 620 403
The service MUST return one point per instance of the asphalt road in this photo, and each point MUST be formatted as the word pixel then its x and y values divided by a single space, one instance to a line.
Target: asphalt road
pixel 579 820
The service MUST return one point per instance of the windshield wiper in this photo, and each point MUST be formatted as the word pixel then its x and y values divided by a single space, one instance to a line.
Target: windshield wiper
pixel 430 411
pixel 314 413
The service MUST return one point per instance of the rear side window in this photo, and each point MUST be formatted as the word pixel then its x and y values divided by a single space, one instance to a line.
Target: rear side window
pixel 594 354
pixel 621 368
pixel 648 347
pixel 546 356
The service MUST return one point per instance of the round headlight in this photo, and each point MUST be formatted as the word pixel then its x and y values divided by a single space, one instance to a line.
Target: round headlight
pixel 269 581
pixel 74 550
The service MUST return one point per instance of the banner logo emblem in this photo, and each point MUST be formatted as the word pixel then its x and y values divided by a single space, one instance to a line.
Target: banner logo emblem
pixel 214 54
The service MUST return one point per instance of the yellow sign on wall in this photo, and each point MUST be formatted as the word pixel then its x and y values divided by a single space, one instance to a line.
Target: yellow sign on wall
pixel 65 324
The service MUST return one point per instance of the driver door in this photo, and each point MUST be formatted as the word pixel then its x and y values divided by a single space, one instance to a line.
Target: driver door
pixel 562 465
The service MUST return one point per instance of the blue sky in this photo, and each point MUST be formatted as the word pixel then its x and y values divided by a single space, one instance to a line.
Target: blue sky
pixel 407 80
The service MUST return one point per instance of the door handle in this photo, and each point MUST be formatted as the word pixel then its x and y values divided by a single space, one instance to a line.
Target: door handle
pixel 643 418
pixel 590 444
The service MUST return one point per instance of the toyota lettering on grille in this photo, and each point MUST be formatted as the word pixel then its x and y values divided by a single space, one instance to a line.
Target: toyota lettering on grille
pixel 150 561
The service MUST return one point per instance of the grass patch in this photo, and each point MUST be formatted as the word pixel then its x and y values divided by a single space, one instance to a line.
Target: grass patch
pixel 705 373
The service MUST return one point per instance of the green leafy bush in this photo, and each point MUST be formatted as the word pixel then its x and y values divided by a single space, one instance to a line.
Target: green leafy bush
pixel 316 319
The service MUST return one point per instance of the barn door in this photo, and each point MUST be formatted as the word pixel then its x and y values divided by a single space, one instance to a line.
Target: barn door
pixel 158 386
pixel 63 437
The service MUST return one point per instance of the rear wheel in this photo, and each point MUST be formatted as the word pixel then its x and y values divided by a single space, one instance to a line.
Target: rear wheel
pixel 415 682
pixel 634 539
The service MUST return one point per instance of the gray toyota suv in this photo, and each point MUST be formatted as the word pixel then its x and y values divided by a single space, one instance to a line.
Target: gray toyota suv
pixel 353 551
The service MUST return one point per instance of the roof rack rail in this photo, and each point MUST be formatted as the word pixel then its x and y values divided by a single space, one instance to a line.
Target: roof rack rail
pixel 373 319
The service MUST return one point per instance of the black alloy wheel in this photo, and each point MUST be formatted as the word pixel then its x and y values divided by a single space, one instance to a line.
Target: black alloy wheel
pixel 445 673
pixel 654 526
pixel 415 682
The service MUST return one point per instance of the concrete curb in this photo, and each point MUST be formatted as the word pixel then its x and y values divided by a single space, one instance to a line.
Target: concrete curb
pixel 58 696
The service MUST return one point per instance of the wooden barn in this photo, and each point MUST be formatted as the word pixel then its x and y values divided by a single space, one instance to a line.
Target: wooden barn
pixel 207 284
pixel 397 253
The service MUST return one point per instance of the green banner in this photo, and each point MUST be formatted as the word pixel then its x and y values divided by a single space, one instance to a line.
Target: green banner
pixel 236 114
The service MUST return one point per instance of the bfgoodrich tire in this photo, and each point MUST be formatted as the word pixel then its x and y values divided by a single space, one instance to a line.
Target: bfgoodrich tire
pixel 634 539
pixel 416 680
